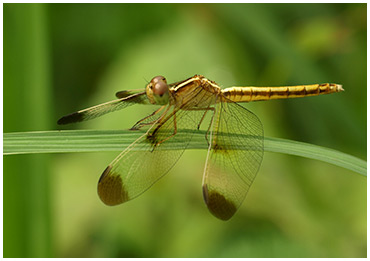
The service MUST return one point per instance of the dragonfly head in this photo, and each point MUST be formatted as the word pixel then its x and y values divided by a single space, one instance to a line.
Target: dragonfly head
pixel 157 91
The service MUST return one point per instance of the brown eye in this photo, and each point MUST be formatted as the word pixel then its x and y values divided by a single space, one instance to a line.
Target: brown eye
pixel 158 79
pixel 159 85
pixel 160 88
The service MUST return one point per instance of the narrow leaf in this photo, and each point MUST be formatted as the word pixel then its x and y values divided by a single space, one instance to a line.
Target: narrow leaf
pixel 118 140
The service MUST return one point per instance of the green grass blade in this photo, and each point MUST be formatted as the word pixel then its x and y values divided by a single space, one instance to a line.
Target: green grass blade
pixel 117 140
pixel 311 151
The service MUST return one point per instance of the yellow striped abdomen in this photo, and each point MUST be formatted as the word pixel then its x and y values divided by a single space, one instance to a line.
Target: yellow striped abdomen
pixel 248 94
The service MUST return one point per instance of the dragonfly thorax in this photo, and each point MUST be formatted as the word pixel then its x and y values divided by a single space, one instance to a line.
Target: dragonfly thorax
pixel 157 91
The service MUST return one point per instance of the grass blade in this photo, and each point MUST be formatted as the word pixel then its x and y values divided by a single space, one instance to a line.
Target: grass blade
pixel 117 140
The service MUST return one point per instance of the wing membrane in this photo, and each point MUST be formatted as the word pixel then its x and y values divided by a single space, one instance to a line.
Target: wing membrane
pixel 151 156
pixel 126 93
pixel 236 153
pixel 104 108
pixel 148 159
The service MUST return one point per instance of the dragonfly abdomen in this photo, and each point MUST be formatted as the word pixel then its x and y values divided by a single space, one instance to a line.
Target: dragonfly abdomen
pixel 248 94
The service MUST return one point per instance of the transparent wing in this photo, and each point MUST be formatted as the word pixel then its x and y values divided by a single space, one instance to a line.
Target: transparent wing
pixel 149 158
pixel 126 93
pixel 236 151
pixel 104 108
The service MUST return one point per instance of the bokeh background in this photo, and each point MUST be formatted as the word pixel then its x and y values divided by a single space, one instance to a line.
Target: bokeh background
pixel 59 58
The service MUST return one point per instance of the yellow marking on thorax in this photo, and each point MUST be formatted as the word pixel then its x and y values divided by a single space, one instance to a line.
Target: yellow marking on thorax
pixel 248 94
pixel 195 92
pixel 185 84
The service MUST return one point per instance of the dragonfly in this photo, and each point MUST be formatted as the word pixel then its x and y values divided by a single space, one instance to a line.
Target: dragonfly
pixel 234 137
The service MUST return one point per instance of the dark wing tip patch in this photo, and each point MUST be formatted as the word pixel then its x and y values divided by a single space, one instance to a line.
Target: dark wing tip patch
pixel 71 118
pixel 218 205
pixel 110 188
pixel 123 94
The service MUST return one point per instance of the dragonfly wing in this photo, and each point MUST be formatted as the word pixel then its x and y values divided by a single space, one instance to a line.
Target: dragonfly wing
pixel 104 108
pixel 127 93
pixel 149 158
pixel 236 152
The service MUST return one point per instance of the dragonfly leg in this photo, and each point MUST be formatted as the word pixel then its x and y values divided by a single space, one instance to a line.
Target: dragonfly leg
pixel 204 115
pixel 201 120
pixel 210 124
pixel 140 123
pixel 160 122
pixel 163 120
pixel 174 131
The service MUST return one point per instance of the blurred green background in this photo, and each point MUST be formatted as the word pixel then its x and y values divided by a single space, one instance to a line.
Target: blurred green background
pixel 59 58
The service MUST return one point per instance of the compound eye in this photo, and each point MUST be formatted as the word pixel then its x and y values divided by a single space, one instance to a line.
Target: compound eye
pixel 159 85
pixel 158 79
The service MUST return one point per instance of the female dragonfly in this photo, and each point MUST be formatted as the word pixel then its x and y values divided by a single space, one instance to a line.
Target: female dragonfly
pixel 234 136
